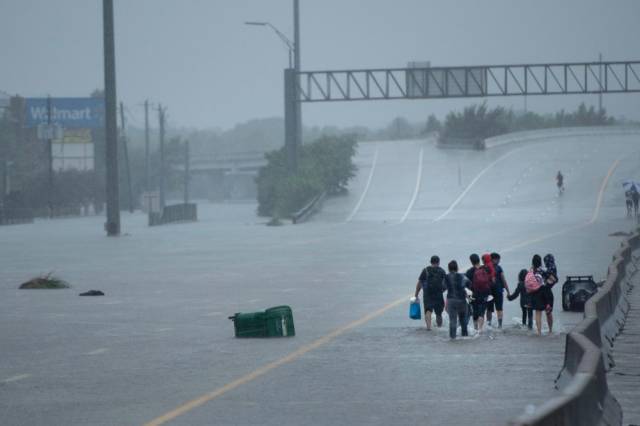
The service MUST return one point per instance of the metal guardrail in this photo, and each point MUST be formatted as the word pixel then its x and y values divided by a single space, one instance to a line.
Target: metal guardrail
pixel 309 209
pixel 585 398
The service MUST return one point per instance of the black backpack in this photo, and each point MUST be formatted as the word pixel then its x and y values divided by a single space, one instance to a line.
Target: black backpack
pixel 433 285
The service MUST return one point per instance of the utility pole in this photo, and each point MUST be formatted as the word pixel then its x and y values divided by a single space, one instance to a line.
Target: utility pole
pixel 161 119
pixel 125 151
pixel 296 62
pixel 50 157
pixel 111 126
pixel 146 145
pixel 187 171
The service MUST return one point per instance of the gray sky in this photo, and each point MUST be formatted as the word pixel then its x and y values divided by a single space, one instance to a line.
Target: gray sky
pixel 197 57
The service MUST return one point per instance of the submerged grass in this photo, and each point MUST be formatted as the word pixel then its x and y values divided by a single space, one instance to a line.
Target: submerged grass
pixel 48 282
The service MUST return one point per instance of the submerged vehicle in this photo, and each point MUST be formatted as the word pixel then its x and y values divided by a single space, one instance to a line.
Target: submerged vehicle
pixel 576 290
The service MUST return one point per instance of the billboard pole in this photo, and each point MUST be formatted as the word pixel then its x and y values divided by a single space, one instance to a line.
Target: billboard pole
pixel 113 202
pixel 50 158
pixel 161 119
pixel 146 145
pixel 187 171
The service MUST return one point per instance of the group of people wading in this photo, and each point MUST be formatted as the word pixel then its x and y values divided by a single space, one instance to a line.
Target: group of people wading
pixel 479 292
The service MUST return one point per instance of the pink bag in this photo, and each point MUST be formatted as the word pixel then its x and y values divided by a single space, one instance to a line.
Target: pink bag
pixel 532 282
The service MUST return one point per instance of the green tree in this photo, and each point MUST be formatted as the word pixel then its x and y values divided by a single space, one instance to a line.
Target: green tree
pixel 323 165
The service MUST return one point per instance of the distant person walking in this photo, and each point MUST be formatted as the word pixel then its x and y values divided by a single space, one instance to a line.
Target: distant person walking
pixel 525 300
pixel 635 198
pixel 628 201
pixel 560 182
pixel 431 282
pixel 456 285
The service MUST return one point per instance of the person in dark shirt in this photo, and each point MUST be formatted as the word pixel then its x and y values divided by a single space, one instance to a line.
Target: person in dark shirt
pixel 497 291
pixel 550 275
pixel 456 285
pixel 431 282
pixel 525 300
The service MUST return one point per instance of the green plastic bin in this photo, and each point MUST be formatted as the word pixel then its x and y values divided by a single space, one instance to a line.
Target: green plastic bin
pixel 280 322
pixel 252 324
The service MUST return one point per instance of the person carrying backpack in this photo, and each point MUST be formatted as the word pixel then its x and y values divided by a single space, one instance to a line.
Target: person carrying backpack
pixel 481 288
pixel 534 284
pixel 431 282
pixel 456 285
pixel 525 300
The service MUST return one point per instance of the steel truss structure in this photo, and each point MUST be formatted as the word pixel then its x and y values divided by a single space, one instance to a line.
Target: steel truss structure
pixel 469 81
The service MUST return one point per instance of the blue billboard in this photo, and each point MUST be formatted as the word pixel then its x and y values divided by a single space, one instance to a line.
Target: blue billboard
pixel 70 113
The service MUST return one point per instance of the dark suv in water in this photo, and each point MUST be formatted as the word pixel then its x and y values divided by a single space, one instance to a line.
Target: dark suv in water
pixel 576 290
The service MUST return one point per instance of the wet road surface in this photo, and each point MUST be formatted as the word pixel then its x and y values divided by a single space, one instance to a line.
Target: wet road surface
pixel 160 344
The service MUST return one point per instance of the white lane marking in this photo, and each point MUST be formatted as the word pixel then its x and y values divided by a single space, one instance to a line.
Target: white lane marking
pixel 366 188
pixel 162 330
pixel 468 188
pixel 213 314
pixel 416 190
pixel 97 351
pixel 16 378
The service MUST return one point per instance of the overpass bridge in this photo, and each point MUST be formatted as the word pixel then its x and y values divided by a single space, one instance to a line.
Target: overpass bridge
pixel 232 163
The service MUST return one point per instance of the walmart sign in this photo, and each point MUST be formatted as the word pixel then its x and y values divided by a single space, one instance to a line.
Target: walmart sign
pixel 70 113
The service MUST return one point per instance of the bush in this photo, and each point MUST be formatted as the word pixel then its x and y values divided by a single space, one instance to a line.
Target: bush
pixel 324 165
pixel 477 122
pixel 47 282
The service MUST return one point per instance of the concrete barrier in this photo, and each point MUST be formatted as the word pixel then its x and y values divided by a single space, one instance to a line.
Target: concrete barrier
pixel 585 398
pixel 175 213
pixel 534 135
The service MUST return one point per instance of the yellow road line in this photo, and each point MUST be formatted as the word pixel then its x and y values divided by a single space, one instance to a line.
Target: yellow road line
pixel 261 371
pixel 596 212
pixel 268 367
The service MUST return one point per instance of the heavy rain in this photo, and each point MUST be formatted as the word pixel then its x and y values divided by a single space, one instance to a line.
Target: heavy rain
pixel 269 212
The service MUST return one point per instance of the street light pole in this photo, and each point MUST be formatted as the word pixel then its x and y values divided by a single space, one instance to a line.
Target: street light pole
pixel 279 33
pixel 292 104
pixel 50 158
